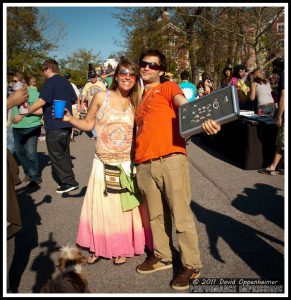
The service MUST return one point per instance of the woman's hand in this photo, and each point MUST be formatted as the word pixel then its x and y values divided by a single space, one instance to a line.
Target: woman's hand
pixel 279 121
pixel 211 127
pixel 67 116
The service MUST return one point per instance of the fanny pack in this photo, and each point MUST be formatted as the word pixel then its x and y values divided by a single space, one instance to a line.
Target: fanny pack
pixel 112 180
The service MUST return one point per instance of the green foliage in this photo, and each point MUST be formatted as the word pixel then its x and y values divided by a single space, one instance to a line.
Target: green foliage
pixel 213 36
pixel 77 64
pixel 26 45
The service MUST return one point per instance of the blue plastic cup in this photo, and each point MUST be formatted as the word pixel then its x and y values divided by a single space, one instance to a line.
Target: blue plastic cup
pixel 59 108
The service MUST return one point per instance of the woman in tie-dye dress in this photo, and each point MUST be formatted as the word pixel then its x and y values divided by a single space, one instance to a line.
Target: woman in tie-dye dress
pixel 105 229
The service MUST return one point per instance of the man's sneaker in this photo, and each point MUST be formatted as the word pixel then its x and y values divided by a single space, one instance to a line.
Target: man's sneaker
pixel 33 184
pixel 66 188
pixel 181 282
pixel 153 264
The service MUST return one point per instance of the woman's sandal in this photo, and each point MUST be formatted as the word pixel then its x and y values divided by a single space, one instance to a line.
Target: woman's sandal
pixel 119 260
pixel 268 172
pixel 91 260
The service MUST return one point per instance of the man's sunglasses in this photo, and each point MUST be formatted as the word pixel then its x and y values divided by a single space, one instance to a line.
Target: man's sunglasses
pixel 152 65
pixel 124 72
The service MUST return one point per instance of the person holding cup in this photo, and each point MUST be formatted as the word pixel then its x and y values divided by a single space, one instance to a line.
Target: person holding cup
pixel 58 132
pixel 112 230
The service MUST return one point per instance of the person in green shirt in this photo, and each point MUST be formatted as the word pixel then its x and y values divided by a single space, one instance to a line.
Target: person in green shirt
pixel 26 130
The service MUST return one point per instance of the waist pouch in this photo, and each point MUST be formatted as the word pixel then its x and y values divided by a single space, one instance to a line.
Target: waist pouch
pixel 112 180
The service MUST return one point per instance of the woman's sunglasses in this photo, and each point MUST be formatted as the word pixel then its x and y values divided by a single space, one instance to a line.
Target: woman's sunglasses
pixel 152 65
pixel 123 73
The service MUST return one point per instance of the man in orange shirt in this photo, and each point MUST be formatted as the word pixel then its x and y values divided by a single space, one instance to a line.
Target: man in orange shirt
pixel 163 171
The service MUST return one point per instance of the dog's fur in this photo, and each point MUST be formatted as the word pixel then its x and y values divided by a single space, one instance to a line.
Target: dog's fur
pixel 71 278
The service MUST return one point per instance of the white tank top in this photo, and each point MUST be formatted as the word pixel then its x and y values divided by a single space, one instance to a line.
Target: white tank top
pixel 264 94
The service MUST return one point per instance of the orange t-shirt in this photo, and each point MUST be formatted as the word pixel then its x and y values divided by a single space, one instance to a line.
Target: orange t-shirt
pixel 158 124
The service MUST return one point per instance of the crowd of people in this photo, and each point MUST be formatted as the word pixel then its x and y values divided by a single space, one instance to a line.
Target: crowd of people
pixel 139 184
pixel 256 91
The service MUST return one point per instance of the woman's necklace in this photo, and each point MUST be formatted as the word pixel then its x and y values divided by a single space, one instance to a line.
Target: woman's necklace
pixel 127 104
pixel 124 105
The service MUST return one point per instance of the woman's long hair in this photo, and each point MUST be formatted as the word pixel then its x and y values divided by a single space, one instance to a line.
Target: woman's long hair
pixel 135 93
pixel 225 81
pixel 258 76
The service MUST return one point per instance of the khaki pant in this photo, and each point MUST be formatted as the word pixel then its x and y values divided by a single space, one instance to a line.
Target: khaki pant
pixel 166 185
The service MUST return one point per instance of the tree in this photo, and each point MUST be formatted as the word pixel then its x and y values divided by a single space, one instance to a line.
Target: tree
pixel 215 36
pixel 140 28
pixel 186 21
pixel 77 64
pixel 26 45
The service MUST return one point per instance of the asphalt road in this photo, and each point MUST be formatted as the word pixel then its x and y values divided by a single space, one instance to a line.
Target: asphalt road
pixel 239 217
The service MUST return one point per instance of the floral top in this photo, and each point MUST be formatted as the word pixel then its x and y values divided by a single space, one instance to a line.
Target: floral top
pixel 114 131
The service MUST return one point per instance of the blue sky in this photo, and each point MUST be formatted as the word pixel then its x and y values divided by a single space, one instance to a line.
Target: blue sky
pixel 91 28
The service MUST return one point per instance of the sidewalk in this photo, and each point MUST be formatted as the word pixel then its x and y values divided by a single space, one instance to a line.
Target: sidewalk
pixel 239 217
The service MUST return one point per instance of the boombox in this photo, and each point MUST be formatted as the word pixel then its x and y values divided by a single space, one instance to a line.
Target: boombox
pixel 221 106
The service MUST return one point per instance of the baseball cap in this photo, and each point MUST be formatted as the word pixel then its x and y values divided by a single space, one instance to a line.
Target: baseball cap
pixel 68 76
pixel 92 74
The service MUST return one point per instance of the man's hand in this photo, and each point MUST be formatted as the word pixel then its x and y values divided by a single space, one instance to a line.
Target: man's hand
pixel 18 97
pixel 210 127
pixel 17 118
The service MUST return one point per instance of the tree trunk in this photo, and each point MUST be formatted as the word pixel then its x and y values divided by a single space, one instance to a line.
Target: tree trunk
pixel 193 63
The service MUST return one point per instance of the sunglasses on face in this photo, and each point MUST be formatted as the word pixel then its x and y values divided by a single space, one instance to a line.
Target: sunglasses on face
pixel 123 73
pixel 152 65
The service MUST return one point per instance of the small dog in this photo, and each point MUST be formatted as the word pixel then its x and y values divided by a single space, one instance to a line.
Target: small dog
pixel 71 278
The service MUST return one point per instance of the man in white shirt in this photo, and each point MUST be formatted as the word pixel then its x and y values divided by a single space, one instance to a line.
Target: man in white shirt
pixel 75 107
pixel 90 89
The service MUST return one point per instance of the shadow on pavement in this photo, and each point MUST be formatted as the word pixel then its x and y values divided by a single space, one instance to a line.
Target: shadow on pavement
pixel 245 241
pixel 43 264
pixel 25 240
pixel 263 200
pixel 43 160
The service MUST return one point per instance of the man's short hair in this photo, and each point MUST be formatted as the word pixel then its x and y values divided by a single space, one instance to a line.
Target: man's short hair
pixel 240 67
pixel 159 54
pixel 185 75
pixel 51 63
